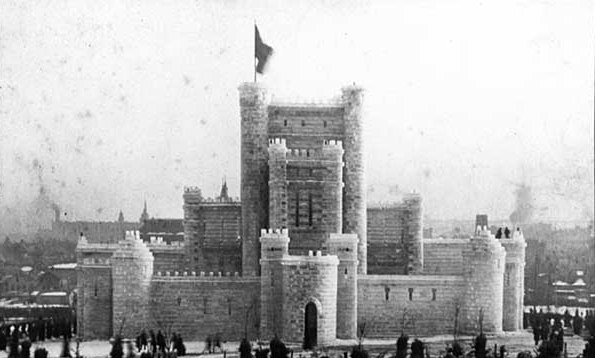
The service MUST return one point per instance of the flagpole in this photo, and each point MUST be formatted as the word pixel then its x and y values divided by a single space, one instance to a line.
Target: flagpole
pixel 254 54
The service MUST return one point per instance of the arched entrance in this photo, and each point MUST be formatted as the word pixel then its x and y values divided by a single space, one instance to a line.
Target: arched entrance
pixel 310 326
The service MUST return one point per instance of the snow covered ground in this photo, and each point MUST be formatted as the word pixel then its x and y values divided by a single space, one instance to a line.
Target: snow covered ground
pixel 514 342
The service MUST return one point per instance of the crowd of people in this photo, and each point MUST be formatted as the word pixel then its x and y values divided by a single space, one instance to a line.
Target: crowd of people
pixel 37 330
pixel 17 338
pixel 550 326
pixel 156 345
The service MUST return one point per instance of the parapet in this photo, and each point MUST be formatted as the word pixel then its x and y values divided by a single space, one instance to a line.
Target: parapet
pixel 132 235
pixel 332 143
pixel 192 190
pixel 483 231
pixel 306 102
pixel 278 141
pixel 407 201
pixel 274 234
pixel 326 153
pixel 313 258
pixel 132 247
pixel 193 276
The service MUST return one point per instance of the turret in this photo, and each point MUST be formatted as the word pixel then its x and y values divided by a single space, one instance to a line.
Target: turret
pixel 132 269
pixel 514 275
pixel 354 198
pixel 344 246
pixel 274 247
pixel 254 166
pixel 484 261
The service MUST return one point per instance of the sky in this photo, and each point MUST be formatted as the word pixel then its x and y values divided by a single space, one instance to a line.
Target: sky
pixel 106 104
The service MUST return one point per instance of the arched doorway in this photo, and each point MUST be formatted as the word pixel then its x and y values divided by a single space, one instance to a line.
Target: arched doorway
pixel 310 326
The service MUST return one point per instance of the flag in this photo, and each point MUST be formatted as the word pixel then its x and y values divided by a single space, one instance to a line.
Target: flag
pixel 262 51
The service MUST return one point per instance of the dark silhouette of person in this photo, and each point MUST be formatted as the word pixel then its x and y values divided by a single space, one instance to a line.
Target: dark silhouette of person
pixel 153 342
pixel 160 341
pixel 507 232
pixel 2 339
pixel 499 233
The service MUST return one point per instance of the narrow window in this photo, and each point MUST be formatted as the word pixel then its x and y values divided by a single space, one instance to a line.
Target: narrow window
pixel 346 271
pixel 179 301
pixel 324 124
pixel 297 208
pixel 303 123
pixel 285 123
pixel 386 293
pixel 410 294
pixel 205 302
pixel 507 278
pixel 95 293
pixel 229 306
pixel 310 209
pixel 434 294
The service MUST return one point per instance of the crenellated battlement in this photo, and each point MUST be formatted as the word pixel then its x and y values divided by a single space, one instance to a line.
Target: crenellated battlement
pixel 132 235
pixel 192 190
pixel 201 274
pixel 407 200
pixel 314 154
pixel 335 101
pixel 274 233
pixel 332 143
pixel 277 141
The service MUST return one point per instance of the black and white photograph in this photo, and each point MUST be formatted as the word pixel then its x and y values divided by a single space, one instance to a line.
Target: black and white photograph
pixel 297 179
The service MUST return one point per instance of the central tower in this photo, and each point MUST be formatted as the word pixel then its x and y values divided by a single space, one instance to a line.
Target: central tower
pixel 302 169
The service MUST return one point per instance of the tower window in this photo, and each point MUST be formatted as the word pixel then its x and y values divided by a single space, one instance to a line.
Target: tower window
pixel 285 123
pixel 229 306
pixel 410 294
pixel 346 271
pixel 434 294
pixel 95 290
pixel 324 124
pixel 386 293
pixel 205 303
pixel 303 123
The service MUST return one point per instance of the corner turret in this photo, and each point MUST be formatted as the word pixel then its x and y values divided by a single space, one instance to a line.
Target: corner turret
pixel 344 246
pixel 484 257
pixel 354 198
pixel 514 282
pixel 254 101
pixel 132 269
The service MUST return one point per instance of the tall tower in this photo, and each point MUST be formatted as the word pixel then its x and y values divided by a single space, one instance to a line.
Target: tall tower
pixel 514 282
pixel 254 166
pixel 354 194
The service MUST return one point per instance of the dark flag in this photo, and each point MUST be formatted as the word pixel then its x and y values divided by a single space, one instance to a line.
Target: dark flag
pixel 262 51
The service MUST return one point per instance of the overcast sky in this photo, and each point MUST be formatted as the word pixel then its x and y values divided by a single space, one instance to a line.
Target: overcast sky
pixel 107 103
